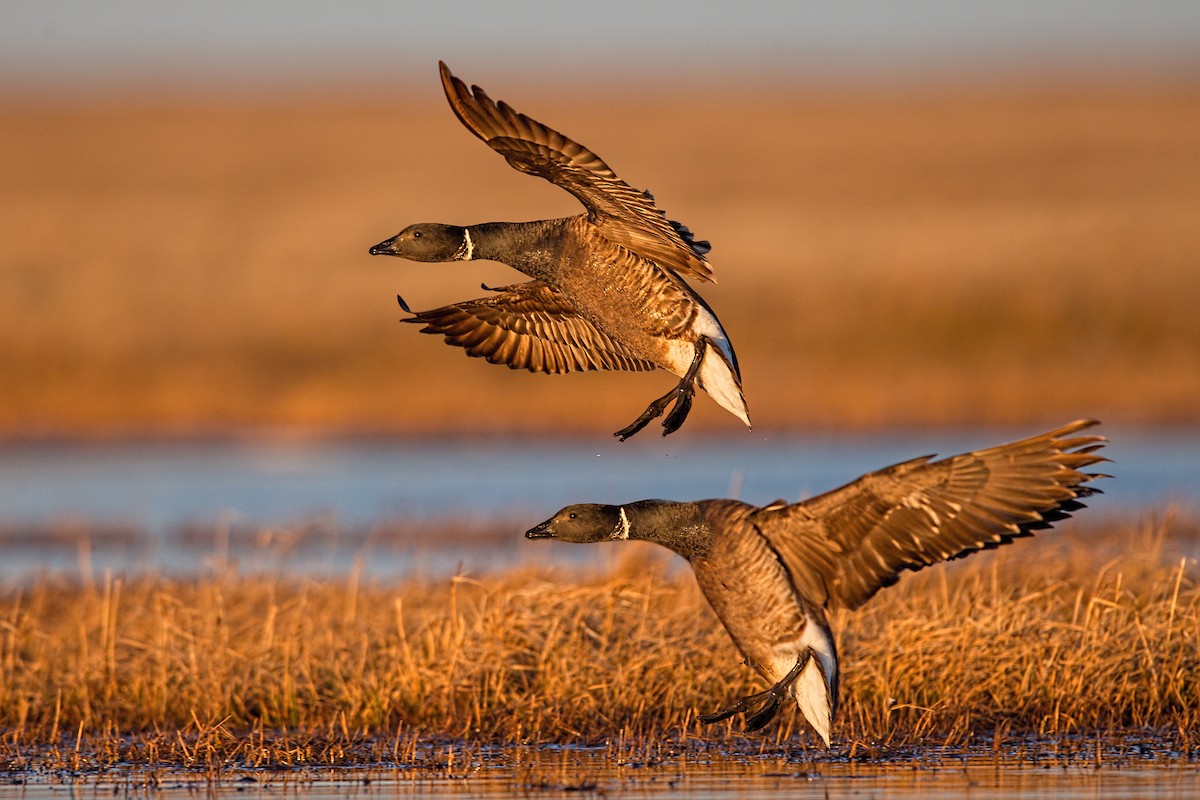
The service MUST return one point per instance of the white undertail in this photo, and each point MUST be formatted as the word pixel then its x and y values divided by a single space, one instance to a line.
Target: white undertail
pixel 719 380
pixel 814 690
pixel 717 376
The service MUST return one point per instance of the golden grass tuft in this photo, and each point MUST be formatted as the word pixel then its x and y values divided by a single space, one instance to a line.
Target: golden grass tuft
pixel 1091 633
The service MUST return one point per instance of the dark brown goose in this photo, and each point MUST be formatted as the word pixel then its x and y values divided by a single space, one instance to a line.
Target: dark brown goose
pixel 771 574
pixel 608 289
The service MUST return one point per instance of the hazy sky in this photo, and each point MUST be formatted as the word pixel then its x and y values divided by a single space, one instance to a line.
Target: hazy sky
pixel 86 43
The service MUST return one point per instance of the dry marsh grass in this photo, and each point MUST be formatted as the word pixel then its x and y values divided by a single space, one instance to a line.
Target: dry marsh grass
pixel 990 255
pixel 1093 633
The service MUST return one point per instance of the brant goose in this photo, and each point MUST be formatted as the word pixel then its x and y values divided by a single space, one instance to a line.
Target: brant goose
pixel 608 289
pixel 772 573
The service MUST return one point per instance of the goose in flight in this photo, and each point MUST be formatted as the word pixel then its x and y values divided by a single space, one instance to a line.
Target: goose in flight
pixel 608 288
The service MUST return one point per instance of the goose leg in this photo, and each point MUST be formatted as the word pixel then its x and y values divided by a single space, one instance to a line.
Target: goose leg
pixel 681 395
pixel 685 391
pixel 767 703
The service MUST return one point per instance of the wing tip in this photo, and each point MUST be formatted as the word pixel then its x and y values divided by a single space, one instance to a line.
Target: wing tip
pixel 449 82
pixel 1074 427
pixel 1079 452
pixel 469 108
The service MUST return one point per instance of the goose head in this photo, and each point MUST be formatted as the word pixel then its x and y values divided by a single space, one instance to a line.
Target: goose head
pixel 428 241
pixel 583 523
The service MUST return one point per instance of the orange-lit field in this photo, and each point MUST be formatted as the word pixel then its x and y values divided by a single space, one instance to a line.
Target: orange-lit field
pixel 936 256
pixel 1091 632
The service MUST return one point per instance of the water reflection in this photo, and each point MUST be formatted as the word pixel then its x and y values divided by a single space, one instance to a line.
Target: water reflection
pixel 576 773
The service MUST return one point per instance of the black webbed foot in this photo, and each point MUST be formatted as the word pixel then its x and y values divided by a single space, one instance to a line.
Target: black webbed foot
pixel 655 409
pixel 681 395
pixel 683 404
pixel 740 706
pixel 764 705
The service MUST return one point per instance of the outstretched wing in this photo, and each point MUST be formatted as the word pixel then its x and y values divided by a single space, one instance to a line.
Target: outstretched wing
pixel 623 214
pixel 528 326
pixel 857 539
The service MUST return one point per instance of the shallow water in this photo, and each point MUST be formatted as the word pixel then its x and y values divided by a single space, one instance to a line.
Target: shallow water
pixel 719 780
pixel 148 493
pixel 159 484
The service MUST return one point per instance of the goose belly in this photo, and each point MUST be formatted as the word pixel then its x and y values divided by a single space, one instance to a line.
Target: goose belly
pixel 771 629
pixel 657 320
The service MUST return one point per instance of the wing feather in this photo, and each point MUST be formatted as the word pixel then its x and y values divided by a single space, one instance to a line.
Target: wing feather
pixel 624 215
pixel 857 539
pixel 529 326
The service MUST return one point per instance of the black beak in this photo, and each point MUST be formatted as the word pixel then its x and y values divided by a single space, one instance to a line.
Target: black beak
pixel 384 248
pixel 540 532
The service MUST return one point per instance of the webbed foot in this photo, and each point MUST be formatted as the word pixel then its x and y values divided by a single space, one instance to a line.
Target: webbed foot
pixel 681 396
pixel 655 409
pixel 764 705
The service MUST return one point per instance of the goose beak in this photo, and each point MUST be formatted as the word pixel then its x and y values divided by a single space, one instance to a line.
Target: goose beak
pixel 540 532
pixel 384 248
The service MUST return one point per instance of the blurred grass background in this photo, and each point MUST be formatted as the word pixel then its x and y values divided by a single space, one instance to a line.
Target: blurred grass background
pixel 951 214
pixel 990 254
